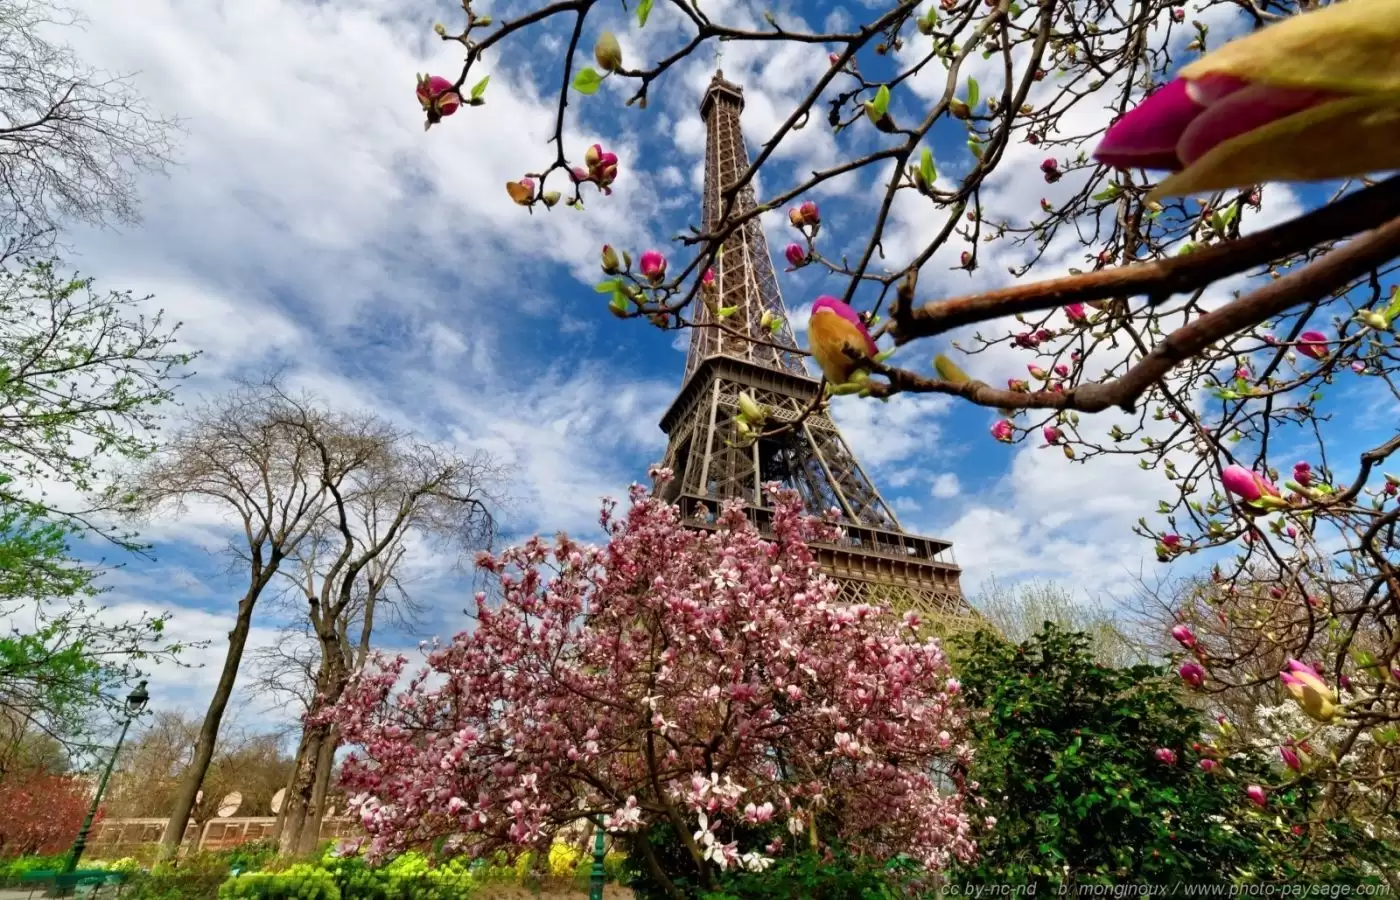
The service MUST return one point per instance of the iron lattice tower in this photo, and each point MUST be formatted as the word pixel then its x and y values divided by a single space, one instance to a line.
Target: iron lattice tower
pixel 877 561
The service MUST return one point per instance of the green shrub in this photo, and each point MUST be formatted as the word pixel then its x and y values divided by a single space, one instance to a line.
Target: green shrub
pixel 828 876
pixel 13 868
pixel 300 882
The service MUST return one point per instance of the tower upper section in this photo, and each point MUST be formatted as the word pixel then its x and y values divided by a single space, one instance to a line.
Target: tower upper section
pixel 744 275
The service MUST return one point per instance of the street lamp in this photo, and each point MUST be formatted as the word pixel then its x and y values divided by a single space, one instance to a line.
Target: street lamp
pixel 598 876
pixel 135 702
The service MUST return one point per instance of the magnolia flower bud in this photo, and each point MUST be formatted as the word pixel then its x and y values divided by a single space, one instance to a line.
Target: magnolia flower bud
pixel 1003 431
pixel 653 266
pixel 750 408
pixel 1165 755
pixel 522 191
pixel 611 263
pixel 811 215
pixel 1256 795
pixel 959 109
pixel 608 52
pixel 796 255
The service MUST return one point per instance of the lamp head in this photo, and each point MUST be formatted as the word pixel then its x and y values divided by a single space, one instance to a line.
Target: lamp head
pixel 137 699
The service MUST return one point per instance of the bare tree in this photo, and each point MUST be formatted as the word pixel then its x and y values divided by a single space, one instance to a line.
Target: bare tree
pixel 251 763
pixel 411 491
pixel 73 140
pixel 273 461
pixel 1019 611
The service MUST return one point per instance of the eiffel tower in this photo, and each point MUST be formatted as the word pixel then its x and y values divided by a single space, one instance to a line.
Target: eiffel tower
pixel 876 561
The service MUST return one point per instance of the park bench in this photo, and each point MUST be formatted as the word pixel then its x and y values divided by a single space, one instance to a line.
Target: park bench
pixel 64 884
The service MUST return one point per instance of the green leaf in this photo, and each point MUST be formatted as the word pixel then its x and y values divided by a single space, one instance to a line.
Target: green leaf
pixel 881 103
pixel 1107 193
pixel 480 88
pixel 1392 311
pixel 587 81
pixel 607 287
pixel 926 167
pixel 643 10
pixel 974 93
pixel 975 146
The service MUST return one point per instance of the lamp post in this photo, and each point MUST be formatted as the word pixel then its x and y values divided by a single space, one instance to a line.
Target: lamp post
pixel 598 876
pixel 135 702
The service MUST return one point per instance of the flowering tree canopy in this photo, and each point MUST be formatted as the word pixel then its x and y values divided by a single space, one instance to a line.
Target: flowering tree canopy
pixel 1214 323
pixel 701 680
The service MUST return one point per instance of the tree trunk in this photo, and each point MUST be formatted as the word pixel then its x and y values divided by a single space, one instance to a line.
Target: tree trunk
pixel 287 789
pixel 325 763
pixel 209 732
pixel 295 803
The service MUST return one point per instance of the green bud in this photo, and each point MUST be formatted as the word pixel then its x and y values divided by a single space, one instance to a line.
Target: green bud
pixel 608 53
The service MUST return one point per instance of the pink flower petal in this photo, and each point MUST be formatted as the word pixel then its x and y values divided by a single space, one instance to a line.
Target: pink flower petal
pixel 1147 136
pixel 1239 112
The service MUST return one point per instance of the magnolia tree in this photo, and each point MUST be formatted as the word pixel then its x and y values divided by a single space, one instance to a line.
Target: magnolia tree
pixel 1208 321
pixel 702 681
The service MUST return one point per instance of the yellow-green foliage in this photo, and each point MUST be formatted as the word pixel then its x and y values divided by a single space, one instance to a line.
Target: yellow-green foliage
pixel 300 882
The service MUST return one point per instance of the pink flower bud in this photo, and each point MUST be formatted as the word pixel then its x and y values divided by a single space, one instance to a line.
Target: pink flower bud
pixel 592 155
pixel 1245 484
pixel 1184 636
pixel 1208 765
pixel 1062 370
pixel 1302 473
pixel 1290 758
pixel 1358 367
pixel 1003 431
pixel 1051 170
pixel 1037 372
pixel 796 255
pixel 437 97
pixel 1165 756
pixel 1045 205
pixel 1192 673
pixel 833 58
pixel 1242 372
pixel 708 279
pixel 1256 795
pixel 1312 344
pixel 1171 540
pixel 652 266
pixel 1027 340
pixel 1044 335
pixel 811 215
pixel 1178 15
pixel 1049 165
pixel 1051 434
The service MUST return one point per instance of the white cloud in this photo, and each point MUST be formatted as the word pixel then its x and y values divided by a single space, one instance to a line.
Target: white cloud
pixel 946 486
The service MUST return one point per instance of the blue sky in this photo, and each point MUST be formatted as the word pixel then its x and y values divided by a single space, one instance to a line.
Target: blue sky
pixel 313 225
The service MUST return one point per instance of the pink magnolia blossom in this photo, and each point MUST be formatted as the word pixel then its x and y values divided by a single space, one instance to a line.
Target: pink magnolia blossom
pixel 1075 313
pixel 1192 673
pixel 1312 344
pixel 653 266
pixel 1165 755
pixel 1290 758
pixel 1184 636
pixel 1003 431
pixel 606 677
pixel 1245 484
pixel 602 167
pixel 437 97
pixel 1208 765
pixel 796 255
pixel 1051 434
pixel 811 215
pixel 1256 795
pixel 1171 541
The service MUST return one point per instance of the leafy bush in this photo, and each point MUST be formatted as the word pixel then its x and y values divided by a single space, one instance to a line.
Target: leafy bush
pixel 1093 775
pixel 300 882
pixel 11 869
pixel 836 875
